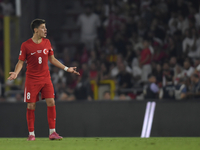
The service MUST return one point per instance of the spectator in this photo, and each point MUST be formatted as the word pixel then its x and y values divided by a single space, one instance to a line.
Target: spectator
pixel 173 63
pixel 181 5
pixel 114 21
pixel 166 72
pixel 145 61
pixel 111 52
pixel 168 91
pixel 64 96
pixel 122 97
pixel 7 7
pixel 115 69
pixel 157 72
pixel 131 55
pixel 124 79
pixel 89 23
pixel 191 44
pixel 81 54
pixel 159 54
pixel 93 57
pixel 195 90
pixel 120 43
pixel 158 29
pixel 58 79
pixel 83 89
pixel 197 18
pixel 171 48
pixel 177 74
pixel 84 69
pixel 93 74
pixel 141 28
pixel 188 69
pixel 136 70
pixel 173 22
pixel 151 90
pixel 104 73
pixel 183 23
pixel 181 89
pixel 106 95
pixel 19 97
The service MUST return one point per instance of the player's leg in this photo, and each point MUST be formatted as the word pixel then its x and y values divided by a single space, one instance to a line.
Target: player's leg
pixel 48 94
pixel 51 115
pixel 31 97
pixel 30 117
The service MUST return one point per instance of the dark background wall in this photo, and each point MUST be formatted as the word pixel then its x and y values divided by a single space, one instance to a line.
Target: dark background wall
pixel 103 119
pixel 76 119
pixel 176 119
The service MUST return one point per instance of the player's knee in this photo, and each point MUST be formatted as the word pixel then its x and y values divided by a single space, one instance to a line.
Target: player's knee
pixel 31 105
pixel 50 102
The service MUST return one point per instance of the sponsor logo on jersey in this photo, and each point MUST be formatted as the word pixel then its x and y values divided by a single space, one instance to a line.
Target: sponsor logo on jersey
pixel 45 51
pixel 33 53
pixel 20 52
pixel 39 51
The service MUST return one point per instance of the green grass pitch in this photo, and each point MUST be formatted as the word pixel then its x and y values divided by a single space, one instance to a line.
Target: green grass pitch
pixel 101 144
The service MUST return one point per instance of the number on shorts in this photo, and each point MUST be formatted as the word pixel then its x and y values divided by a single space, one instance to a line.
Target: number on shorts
pixel 28 95
pixel 39 60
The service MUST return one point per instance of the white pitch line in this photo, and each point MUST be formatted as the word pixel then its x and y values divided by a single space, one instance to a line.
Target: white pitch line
pixel 149 126
pixel 146 118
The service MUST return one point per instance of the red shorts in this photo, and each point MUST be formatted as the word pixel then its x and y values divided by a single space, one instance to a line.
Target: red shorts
pixel 31 91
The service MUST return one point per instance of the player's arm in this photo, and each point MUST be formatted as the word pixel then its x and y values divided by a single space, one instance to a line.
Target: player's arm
pixel 18 67
pixel 58 64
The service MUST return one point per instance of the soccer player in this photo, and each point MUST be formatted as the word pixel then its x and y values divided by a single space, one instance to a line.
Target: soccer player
pixel 36 51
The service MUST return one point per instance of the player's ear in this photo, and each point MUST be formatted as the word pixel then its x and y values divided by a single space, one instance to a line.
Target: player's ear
pixel 35 30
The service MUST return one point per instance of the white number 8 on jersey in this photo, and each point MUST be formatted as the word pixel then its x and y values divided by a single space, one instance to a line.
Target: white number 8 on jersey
pixel 39 60
pixel 28 95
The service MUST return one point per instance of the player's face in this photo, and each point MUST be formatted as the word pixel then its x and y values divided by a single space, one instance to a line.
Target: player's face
pixel 42 31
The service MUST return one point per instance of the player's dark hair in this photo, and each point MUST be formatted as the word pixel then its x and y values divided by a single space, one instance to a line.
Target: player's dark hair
pixel 36 23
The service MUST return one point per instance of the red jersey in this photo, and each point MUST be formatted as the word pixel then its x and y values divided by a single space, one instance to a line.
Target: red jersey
pixel 145 52
pixel 36 56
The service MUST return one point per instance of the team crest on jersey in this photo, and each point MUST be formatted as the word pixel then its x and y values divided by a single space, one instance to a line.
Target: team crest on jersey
pixel 45 51
pixel 39 51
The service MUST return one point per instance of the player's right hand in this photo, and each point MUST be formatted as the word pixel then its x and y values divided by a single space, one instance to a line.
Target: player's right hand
pixel 13 75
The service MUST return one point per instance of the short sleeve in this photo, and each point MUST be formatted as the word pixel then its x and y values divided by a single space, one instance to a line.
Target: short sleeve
pixel 50 49
pixel 22 53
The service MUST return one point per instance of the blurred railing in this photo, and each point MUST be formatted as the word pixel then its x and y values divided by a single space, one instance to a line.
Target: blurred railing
pixel 9 92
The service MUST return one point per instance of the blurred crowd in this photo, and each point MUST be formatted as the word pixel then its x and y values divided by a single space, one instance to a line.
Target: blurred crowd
pixel 149 48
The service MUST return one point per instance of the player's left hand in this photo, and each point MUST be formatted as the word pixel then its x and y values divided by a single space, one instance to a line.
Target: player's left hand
pixel 73 70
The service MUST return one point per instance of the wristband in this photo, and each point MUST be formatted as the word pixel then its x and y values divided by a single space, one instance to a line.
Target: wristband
pixel 65 68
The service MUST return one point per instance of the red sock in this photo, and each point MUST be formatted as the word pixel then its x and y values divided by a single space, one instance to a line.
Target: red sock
pixel 30 117
pixel 51 115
